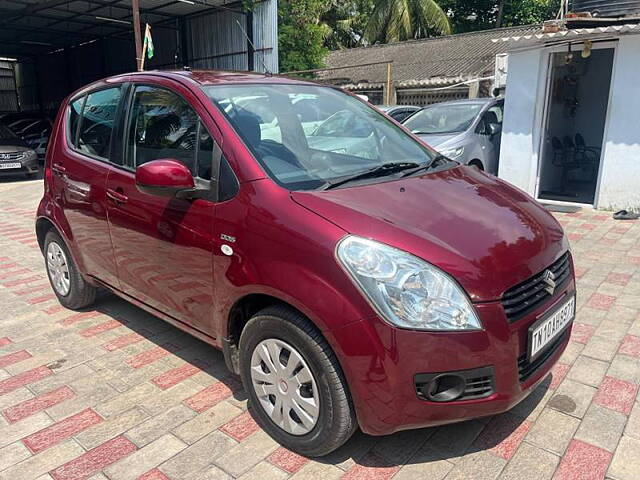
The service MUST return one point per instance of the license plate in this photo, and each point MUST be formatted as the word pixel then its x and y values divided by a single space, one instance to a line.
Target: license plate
pixel 545 331
pixel 10 165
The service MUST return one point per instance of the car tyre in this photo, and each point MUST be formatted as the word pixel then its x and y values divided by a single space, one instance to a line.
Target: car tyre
pixel 478 164
pixel 71 289
pixel 327 390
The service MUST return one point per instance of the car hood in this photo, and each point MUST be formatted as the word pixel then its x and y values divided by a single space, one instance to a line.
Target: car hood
pixel 441 140
pixel 13 146
pixel 485 233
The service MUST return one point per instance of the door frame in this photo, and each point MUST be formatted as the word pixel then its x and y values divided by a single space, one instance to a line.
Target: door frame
pixel 546 80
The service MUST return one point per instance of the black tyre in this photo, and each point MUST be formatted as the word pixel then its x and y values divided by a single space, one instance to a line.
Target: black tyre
pixel 67 283
pixel 295 385
pixel 478 164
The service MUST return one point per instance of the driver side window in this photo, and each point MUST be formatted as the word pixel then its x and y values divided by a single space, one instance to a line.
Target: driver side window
pixel 161 125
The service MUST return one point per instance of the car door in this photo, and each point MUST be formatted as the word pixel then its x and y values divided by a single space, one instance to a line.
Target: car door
pixel 490 142
pixel 163 246
pixel 80 167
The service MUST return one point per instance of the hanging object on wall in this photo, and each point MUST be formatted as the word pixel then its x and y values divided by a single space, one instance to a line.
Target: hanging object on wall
pixel 587 48
pixel 569 57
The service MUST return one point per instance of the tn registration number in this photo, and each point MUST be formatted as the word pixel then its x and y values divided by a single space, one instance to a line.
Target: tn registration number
pixel 547 330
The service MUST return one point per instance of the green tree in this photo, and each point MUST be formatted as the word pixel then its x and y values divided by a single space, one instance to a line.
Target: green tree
pixel 473 15
pixel 301 34
pixel 346 20
pixel 517 12
pixel 396 20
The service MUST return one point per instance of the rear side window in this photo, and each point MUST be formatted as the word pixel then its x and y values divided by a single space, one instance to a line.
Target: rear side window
pixel 96 125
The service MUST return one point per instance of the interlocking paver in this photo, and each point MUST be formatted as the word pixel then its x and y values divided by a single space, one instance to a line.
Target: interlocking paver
pixel 601 427
pixel 553 431
pixel 583 461
pixel 617 395
pixel 163 415
pixel 530 463
pixel 143 460
pixel 31 406
pixel 588 371
pixel 626 461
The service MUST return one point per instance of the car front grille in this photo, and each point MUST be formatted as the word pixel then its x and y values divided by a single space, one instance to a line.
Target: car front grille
pixel 526 369
pixel 525 297
pixel 479 387
pixel 12 156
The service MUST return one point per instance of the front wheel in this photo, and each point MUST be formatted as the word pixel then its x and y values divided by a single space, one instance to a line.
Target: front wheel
pixel 295 385
pixel 67 283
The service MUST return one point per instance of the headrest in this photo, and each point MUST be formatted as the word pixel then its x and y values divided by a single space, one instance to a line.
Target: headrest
pixel 249 128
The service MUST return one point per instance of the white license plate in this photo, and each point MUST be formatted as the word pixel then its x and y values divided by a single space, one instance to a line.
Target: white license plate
pixel 544 332
pixel 4 166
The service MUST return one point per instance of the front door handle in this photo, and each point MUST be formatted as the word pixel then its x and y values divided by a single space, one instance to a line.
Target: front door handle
pixel 117 197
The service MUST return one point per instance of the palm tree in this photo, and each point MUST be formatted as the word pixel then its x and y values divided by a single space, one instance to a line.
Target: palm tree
pixel 396 20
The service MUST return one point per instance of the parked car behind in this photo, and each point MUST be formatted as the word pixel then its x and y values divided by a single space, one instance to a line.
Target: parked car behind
pixel 386 290
pixel 16 156
pixel 468 131
pixel 36 134
pixel 399 112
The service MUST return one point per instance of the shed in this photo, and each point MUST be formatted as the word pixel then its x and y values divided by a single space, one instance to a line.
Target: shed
pixel 422 71
pixel 570 132
pixel 50 48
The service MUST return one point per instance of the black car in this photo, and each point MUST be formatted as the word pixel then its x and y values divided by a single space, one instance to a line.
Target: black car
pixel 15 155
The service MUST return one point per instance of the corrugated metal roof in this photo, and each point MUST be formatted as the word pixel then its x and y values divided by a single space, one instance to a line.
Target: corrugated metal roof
pixel 431 61
pixel 533 38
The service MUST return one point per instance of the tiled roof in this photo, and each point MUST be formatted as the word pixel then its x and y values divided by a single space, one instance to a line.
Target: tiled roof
pixel 538 36
pixel 431 61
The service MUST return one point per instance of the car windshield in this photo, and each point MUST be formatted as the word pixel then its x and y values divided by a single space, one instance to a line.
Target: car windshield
pixel 6 134
pixel 439 119
pixel 306 136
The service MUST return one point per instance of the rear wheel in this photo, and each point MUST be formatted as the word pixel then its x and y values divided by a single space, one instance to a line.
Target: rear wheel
pixel 294 382
pixel 67 283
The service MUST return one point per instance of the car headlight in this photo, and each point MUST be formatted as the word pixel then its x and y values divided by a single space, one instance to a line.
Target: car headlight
pixel 453 152
pixel 405 290
pixel 29 154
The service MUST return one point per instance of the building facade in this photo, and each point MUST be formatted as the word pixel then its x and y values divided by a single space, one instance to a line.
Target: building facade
pixel 570 131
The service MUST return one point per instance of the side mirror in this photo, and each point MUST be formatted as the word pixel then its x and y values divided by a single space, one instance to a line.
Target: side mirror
pixel 494 129
pixel 164 178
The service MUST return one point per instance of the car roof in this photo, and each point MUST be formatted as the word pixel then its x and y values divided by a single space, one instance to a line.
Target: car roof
pixel 388 108
pixel 199 77
pixel 468 101
pixel 218 77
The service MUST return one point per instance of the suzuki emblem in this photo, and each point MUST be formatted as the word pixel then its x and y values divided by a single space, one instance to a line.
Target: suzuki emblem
pixel 549 279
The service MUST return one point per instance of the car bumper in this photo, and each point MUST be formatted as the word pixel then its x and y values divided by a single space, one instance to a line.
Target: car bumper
pixel 382 364
pixel 26 166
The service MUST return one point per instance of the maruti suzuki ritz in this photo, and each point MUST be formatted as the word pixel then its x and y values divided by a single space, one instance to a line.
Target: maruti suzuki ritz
pixel 351 275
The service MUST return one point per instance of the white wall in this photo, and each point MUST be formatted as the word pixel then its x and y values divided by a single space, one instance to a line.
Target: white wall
pixel 620 173
pixel 519 151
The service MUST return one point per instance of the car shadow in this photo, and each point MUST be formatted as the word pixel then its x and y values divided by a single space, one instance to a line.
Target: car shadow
pixel 421 446
pixel 178 343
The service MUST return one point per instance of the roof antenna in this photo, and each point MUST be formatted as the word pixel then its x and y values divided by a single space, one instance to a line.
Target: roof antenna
pixel 264 65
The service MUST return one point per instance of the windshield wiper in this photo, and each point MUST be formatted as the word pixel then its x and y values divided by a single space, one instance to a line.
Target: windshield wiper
pixel 379 171
pixel 438 161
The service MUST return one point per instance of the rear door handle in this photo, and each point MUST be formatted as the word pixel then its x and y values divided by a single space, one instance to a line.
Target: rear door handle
pixel 59 169
pixel 117 197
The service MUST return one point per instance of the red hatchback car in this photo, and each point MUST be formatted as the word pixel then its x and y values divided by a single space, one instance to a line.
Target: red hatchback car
pixel 350 274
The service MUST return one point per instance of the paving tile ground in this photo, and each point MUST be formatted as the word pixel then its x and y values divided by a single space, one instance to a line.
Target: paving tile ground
pixel 114 393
